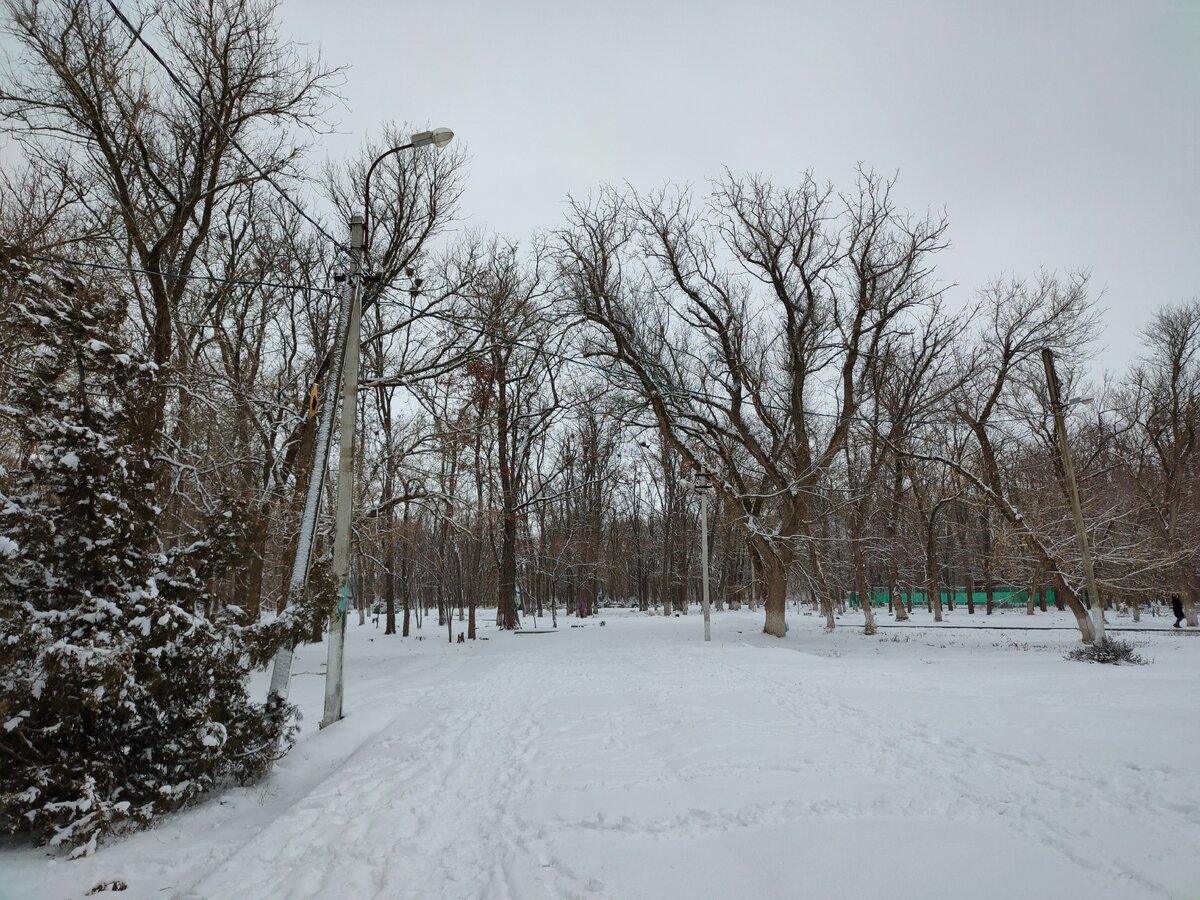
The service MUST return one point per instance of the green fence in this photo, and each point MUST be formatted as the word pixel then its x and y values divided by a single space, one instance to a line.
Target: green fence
pixel 1001 596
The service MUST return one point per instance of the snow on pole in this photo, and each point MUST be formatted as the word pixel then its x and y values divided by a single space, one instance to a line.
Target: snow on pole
pixel 281 674
pixel 334 683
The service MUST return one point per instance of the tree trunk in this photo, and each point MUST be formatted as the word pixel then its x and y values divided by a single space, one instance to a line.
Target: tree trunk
pixel 1191 599
pixel 989 581
pixel 255 564
pixel 303 468
pixel 822 586
pixel 508 574
pixel 1082 620
pixel 1017 523
pixel 931 564
pixel 774 575
pixel 360 593
pixel 389 585
pixel 860 579
pixel 893 528
pixel 755 567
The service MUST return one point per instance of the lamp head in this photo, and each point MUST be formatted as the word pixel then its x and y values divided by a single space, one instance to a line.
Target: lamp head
pixel 438 137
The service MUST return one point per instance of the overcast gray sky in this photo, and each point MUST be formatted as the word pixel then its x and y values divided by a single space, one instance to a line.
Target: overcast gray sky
pixel 1057 133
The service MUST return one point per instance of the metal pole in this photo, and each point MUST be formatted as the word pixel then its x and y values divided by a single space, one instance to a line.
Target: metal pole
pixel 334 682
pixel 1060 427
pixel 704 561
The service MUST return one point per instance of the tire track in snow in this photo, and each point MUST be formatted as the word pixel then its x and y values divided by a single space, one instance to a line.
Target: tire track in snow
pixel 428 814
pixel 225 854
pixel 297 853
pixel 444 809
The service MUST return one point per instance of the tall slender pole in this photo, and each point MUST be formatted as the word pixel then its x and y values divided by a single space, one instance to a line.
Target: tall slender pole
pixel 334 682
pixel 1060 427
pixel 281 672
pixel 704 561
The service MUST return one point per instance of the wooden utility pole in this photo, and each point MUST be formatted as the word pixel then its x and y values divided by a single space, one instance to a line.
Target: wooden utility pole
pixel 1060 427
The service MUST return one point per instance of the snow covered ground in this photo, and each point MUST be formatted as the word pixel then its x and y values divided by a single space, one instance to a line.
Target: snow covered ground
pixel 634 761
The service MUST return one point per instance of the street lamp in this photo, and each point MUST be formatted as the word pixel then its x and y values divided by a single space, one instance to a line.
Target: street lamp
pixel 359 237
pixel 438 138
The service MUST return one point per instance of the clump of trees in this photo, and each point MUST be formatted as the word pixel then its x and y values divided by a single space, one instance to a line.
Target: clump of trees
pixel 123 693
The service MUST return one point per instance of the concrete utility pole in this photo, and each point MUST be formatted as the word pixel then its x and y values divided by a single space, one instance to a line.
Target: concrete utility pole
pixel 345 486
pixel 1060 427
pixel 281 673
pixel 359 237
pixel 702 489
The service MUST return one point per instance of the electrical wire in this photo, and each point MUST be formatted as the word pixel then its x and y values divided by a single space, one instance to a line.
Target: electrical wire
pixel 199 104
pixel 612 374
pixel 106 267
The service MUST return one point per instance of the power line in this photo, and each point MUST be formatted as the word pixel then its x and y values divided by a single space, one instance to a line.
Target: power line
pixel 616 375
pixel 613 374
pixel 214 279
pixel 199 104
pixel 196 100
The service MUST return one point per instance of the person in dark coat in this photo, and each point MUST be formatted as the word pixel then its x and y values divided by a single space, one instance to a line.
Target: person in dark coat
pixel 1177 608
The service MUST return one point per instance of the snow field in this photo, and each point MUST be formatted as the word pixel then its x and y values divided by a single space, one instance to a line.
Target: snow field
pixel 635 761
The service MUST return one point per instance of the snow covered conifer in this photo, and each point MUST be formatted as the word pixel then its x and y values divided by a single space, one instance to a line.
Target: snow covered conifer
pixel 119 698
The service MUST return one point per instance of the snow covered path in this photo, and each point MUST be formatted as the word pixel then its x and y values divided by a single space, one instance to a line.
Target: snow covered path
pixel 634 761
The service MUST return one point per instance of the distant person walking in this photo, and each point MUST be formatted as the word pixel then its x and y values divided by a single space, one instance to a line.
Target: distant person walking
pixel 1177 608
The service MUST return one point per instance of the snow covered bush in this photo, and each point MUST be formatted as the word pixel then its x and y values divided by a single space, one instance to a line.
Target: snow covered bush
pixel 1110 651
pixel 120 699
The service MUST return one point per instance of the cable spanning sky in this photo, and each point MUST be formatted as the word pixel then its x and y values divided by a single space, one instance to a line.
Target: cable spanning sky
pixel 1061 134
pixel 1057 134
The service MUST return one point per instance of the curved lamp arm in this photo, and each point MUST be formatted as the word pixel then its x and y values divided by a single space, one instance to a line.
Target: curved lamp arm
pixel 438 137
